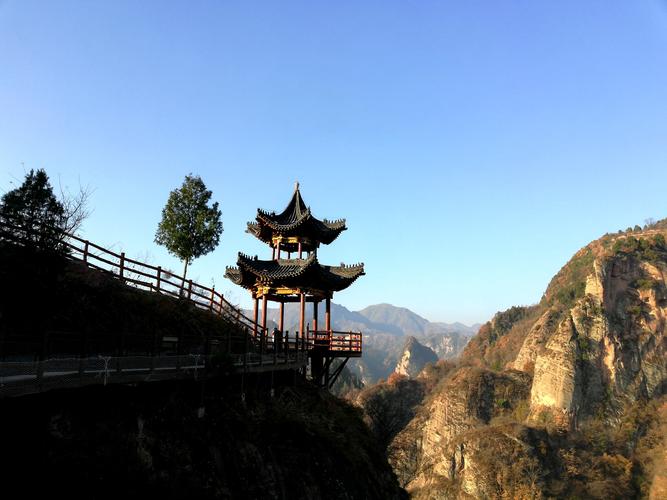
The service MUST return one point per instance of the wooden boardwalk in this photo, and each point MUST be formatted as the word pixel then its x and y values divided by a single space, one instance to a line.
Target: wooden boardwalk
pixel 246 347
pixel 18 378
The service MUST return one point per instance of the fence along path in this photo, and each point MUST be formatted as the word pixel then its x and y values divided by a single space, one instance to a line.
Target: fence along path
pixel 138 274
pixel 26 376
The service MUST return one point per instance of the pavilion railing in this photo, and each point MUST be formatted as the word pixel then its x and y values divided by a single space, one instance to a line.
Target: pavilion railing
pixel 332 340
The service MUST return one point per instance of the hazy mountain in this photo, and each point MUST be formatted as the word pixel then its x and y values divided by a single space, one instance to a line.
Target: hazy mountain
pixel 454 327
pixel 398 320
pixel 385 328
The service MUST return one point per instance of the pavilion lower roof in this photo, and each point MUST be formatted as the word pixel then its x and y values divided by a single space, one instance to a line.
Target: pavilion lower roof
pixel 292 273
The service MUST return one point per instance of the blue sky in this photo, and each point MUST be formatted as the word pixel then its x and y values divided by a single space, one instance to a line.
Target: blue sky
pixel 472 146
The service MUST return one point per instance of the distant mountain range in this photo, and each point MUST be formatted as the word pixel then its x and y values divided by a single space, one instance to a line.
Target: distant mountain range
pixel 385 328
pixel 379 318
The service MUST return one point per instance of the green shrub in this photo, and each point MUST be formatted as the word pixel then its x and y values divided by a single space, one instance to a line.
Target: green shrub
pixel 645 284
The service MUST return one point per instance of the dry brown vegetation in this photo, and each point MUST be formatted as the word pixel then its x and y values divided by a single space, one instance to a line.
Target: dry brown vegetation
pixel 616 450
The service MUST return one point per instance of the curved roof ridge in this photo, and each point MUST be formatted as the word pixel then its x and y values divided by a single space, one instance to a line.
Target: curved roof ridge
pixel 296 219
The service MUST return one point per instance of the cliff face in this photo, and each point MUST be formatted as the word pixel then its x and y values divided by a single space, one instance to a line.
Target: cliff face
pixel 609 348
pixel 414 358
pixel 149 442
pixel 554 399
pixel 424 452
pixel 445 345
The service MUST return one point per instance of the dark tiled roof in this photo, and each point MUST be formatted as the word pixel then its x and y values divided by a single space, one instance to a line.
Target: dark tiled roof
pixel 295 220
pixel 296 273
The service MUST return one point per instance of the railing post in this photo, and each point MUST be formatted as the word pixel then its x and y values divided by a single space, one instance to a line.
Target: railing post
pixel 159 278
pixel 82 352
pixel 189 289
pixel 275 348
pixel 178 352
pixel 154 350
pixel 262 332
pixel 85 252
pixel 119 351
pixel 207 352
pixel 43 356
pixel 245 354
pixel 286 347
pixel 122 264
pixel 212 296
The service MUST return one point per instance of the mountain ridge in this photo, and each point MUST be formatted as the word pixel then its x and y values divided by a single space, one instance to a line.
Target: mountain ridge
pixel 385 328
pixel 382 317
pixel 556 399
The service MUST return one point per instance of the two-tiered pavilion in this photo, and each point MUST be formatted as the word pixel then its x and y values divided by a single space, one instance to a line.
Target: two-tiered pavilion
pixel 294 275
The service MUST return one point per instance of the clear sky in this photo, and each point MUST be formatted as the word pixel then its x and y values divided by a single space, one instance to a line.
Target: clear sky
pixel 473 146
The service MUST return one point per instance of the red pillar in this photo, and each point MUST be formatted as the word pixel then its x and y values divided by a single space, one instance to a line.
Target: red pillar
pixel 281 321
pixel 278 250
pixel 264 304
pixel 327 315
pixel 255 315
pixel 302 318
pixel 327 320
pixel 300 250
pixel 315 315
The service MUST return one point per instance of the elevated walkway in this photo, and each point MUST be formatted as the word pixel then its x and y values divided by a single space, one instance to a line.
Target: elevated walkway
pixel 18 378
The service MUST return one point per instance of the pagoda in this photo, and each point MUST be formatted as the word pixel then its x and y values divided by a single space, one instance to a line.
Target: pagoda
pixel 293 274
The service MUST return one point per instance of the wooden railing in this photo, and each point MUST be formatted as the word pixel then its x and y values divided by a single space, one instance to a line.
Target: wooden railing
pixel 333 341
pixel 156 279
pixel 135 273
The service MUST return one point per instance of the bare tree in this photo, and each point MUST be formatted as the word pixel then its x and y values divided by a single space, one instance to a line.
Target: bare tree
pixel 76 207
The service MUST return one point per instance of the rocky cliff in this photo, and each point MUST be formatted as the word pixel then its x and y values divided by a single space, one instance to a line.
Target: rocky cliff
pixel 556 399
pixel 414 358
pixel 150 441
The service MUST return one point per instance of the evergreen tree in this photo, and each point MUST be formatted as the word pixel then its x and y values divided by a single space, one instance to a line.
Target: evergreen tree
pixel 189 227
pixel 34 212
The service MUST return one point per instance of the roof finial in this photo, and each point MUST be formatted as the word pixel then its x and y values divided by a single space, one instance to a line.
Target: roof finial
pixel 296 186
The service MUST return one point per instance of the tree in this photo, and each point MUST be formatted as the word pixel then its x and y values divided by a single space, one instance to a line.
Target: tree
pixel 37 216
pixel 189 227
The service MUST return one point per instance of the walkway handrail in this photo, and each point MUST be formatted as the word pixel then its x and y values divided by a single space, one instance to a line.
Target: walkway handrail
pixel 136 273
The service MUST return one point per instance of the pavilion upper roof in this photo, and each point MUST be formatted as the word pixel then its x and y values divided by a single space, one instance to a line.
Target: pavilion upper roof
pixel 307 274
pixel 295 221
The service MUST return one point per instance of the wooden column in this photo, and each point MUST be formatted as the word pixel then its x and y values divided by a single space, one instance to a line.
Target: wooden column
pixel 278 251
pixel 327 315
pixel 264 304
pixel 281 320
pixel 300 250
pixel 302 317
pixel 255 317
pixel 315 315
pixel 273 253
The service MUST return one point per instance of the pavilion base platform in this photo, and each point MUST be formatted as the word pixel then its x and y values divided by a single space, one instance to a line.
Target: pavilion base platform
pixel 326 346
